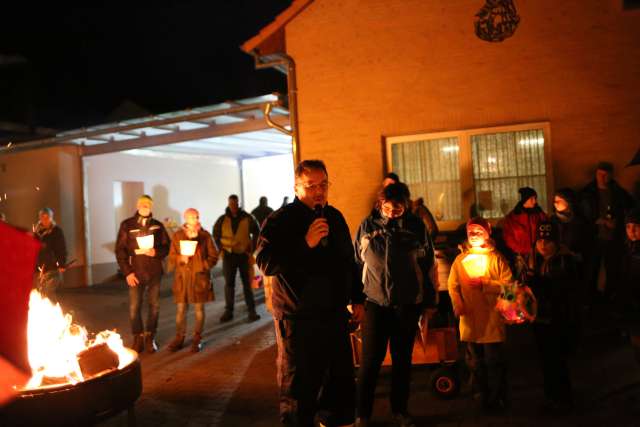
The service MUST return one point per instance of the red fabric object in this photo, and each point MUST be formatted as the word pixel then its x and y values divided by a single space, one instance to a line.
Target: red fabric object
pixel 18 252
pixel 520 230
pixel 478 220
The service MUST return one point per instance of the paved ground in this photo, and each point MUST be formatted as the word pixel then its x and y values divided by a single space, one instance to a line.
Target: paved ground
pixel 232 382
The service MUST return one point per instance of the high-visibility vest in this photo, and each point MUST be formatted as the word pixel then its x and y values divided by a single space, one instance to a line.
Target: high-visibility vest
pixel 239 242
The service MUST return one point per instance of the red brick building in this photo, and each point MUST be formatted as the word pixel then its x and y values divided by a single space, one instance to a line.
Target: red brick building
pixel 406 85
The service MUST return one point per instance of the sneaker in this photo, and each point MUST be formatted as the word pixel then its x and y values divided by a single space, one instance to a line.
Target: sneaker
pixel 226 316
pixel 403 420
pixel 150 344
pixel 253 316
pixel 138 343
pixel 176 344
pixel 196 344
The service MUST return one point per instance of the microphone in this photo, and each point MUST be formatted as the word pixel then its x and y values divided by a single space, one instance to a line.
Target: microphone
pixel 319 210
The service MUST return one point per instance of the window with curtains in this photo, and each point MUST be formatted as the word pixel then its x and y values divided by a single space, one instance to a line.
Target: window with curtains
pixel 472 172
pixel 430 168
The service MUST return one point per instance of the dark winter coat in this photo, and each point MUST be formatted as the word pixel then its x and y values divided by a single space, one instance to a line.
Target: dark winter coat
pixel 261 213
pixel 520 229
pixel 145 267
pixel 308 282
pixel 396 258
pixel 53 253
pixel 555 286
pixel 573 232
pixel 621 201
pixel 192 281
pixel 630 290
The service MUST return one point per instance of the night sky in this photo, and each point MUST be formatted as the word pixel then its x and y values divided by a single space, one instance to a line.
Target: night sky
pixel 83 62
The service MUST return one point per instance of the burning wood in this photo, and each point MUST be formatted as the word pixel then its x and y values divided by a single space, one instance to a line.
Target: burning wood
pixel 61 351
pixel 97 360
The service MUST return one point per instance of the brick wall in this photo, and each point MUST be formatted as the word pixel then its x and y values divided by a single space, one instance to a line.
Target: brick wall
pixel 374 68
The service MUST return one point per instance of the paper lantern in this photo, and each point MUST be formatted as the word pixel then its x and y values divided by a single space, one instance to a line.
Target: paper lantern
pixel 145 242
pixel 517 304
pixel 475 265
pixel 188 247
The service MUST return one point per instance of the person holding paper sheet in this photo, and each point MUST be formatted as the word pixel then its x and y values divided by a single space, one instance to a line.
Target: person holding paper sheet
pixel 192 256
pixel 141 246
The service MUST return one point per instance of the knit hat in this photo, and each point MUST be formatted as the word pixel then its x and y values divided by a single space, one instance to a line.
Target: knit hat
pixel 547 230
pixel 145 198
pixel 191 211
pixel 478 220
pixel 526 193
pixel 633 216
pixel 47 211
pixel 605 166
pixel 567 195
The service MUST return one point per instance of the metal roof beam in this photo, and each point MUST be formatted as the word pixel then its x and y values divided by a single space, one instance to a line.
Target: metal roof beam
pixel 182 136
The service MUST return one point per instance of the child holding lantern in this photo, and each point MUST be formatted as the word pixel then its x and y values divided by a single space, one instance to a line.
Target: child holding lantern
pixel 475 282
pixel 192 255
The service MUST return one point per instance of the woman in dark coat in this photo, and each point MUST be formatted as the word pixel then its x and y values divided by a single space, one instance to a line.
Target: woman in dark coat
pixel 192 280
pixel 397 257
pixel 554 285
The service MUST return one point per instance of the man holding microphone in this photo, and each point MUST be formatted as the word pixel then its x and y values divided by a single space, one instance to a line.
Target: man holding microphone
pixel 307 247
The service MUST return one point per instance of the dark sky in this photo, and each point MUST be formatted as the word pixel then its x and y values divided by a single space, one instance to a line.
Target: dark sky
pixel 82 62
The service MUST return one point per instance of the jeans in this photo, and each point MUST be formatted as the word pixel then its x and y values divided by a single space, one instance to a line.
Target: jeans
pixel 136 295
pixel 396 326
pixel 315 370
pixel 488 366
pixel 231 263
pixel 181 313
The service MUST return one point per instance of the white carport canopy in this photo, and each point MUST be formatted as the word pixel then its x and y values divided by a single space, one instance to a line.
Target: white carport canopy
pixel 233 129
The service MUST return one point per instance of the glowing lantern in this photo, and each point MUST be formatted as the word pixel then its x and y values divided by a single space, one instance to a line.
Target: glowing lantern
pixel 517 304
pixel 188 247
pixel 475 265
pixel 145 242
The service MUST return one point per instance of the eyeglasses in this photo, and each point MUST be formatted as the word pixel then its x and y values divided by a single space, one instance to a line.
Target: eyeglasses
pixel 324 186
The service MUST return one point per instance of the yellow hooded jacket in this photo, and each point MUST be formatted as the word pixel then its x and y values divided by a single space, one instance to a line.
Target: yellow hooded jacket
pixel 480 321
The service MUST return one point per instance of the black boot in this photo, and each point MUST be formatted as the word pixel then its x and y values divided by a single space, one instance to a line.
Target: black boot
pixel 226 316
pixel 150 343
pixel 176 344
pixel 138 343
pixel 253 316
pixel 196 345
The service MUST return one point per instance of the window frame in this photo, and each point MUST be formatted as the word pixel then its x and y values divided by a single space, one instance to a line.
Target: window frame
pixel 465 162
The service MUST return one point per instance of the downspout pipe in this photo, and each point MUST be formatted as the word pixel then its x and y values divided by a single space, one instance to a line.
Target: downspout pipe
pixel 292 93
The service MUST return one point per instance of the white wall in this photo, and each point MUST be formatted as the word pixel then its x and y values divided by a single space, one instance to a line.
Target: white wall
pixel 174 181
pixel 267 176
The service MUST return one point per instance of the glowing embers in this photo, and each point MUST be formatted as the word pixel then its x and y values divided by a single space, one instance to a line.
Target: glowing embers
pixel 475 265
pixel 56 345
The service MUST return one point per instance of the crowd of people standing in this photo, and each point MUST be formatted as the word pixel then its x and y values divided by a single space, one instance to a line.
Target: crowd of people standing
pixel 582 256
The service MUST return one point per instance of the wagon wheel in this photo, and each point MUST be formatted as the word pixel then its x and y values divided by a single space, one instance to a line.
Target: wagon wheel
pixel 445 383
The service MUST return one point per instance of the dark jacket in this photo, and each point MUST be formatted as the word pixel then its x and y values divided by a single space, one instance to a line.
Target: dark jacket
pixel 192 281
pixel 555 287
pixel 308 282
pixel 630 291
pixel 620 202
pixel 254 227
pixel 261 213
pixel 395 257
pixel 573 232
pixel 145 267
pixel 53 253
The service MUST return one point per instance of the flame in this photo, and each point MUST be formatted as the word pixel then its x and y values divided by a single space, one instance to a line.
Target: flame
pixel 54 342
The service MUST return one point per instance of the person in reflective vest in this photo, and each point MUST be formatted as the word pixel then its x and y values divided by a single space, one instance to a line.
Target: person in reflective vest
pixel 236 234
